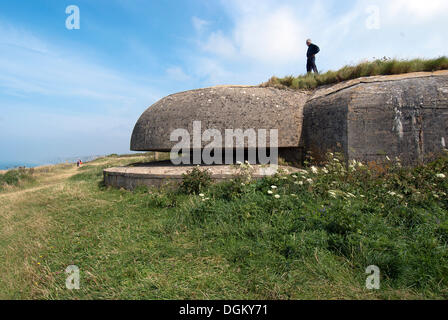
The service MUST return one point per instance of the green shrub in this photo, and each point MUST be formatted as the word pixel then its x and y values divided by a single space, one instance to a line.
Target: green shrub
pixel 195 180
pixel 16 176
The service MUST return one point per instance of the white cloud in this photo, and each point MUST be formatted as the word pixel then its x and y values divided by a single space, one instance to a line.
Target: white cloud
pixel 273 36
pixel 265 32
pixel 199 24
pixel 420 9
pixel 267 37
pixel 220 45
pixel 177 74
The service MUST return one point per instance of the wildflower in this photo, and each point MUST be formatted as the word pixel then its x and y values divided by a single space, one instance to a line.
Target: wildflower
pixel 332 193
pixel 309 180
pixel 239 163
pixel 325 170
pixel 293 195
pixel 387 158
pixel 392 193
pixel 441 176
pixel 202 195
pixel 270 192
pixel 351 195
pixel 294 177
pixel 300 183
pixel 277 196
pixel 274 187
pixel 314 170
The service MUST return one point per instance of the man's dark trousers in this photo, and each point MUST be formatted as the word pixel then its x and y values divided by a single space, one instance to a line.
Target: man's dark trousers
pixel 311 65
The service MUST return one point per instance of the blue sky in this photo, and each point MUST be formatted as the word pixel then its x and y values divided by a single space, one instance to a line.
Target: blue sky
pixel 68 93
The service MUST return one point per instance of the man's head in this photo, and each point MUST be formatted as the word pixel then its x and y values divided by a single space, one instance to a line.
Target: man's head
pixel 308 42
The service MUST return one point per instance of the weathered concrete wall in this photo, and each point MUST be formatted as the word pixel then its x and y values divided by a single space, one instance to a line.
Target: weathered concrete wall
pixel 398 116
pixel 325 126
pixel 222 108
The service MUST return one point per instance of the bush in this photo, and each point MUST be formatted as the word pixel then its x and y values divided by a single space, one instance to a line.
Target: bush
pixel 14 177
pixel 195 180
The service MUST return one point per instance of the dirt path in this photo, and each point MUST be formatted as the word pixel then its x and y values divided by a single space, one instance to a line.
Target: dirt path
pixel 48 182
pixel 52 180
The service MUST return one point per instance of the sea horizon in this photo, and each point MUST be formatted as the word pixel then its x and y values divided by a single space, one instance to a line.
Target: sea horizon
pixel 8 165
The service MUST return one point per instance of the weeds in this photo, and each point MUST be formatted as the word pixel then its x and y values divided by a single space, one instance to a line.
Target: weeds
pixel 195 180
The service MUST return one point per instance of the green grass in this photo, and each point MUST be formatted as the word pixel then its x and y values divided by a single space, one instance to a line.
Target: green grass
pixel 364 69
pixel 16 177
pixel 235 241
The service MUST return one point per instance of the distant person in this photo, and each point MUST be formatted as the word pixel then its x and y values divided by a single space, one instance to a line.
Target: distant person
pixel 311 56
pixel 77 163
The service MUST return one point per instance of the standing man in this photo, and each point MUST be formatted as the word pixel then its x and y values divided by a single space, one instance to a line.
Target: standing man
pixel 311 56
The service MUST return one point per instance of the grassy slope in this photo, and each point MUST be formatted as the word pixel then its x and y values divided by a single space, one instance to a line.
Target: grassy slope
pixel 364 69
pixel 172 246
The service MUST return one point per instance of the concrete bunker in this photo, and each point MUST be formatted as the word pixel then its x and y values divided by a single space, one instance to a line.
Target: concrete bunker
pixel 403 116
pixel 222 109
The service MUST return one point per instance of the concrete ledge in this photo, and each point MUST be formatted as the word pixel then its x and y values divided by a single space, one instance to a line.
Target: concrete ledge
pixel 157 175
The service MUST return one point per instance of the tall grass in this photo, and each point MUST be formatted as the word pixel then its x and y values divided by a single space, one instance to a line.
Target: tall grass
pixel 15 177
pixel 308 235
pixel 364 69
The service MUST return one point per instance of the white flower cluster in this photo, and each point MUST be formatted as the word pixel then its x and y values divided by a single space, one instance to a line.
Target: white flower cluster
pixel 271 192
pixel 336 193
pixel 394 194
